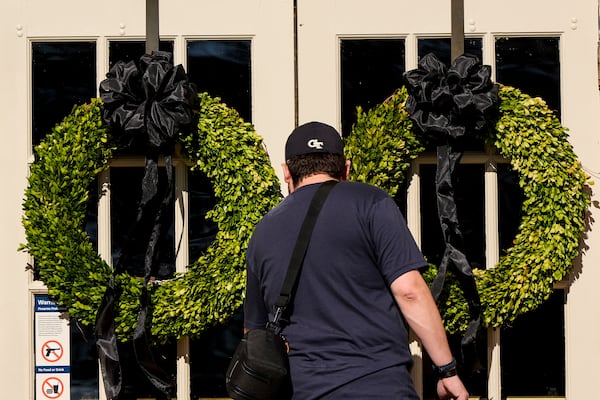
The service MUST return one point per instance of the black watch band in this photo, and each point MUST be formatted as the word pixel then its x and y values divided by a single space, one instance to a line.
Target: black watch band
pixel 446 371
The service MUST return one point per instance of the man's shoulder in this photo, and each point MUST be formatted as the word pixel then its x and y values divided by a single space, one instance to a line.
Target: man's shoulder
pixel 274 216
pixel 363 189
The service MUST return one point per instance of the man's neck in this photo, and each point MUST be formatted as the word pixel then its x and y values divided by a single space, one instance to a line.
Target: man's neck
pixel 317 178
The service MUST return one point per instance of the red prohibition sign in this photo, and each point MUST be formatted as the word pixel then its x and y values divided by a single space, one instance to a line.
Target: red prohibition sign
pixel 52 388
pixel 52 351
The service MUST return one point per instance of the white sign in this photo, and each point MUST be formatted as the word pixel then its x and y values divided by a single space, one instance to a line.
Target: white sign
pixel 52 351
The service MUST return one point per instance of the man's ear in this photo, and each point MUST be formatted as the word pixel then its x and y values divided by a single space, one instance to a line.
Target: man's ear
pixel 287 177
pixel 346 176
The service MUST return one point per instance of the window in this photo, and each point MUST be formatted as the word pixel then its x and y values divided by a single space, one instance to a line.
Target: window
pixel 63 75
pixel 538 335
pixel 211 352
pixel 125 236
pixel 201 231
pixel 510 198
pixel 371 70
pixel 469 196
pixel 210 355
pixel 84 362
pixel 125 193
pixel 121 50
pixel 441 48
pixel 531 64
pixel 222 68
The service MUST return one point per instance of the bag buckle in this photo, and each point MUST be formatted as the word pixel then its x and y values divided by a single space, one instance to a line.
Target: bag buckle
pixel 273 325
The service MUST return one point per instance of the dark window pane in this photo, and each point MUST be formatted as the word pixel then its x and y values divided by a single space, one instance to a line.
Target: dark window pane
pixel 119 50
pixel 441 47
pixel 469 197
pixel 63 75
pixel 510 199
pixel 538 335
pixel 132 51
pixel 531 65
pixel 202 232
pixel 469 194
pixel 126 185
pixel 371 70
pixel 212 352
pixel 84 362
pixel 136 385
pixel 222 69
pixel 471 364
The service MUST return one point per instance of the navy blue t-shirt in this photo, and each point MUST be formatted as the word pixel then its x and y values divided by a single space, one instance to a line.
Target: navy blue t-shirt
pixel 344 323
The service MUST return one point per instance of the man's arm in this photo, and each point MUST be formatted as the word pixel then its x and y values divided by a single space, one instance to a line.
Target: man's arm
pixel 420 311
pixel 255 314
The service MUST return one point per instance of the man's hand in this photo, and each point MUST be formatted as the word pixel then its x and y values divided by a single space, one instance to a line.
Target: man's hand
pixel 452 388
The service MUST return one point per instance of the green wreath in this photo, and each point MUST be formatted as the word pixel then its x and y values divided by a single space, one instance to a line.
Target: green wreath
pixel 383 144
pixel 224 147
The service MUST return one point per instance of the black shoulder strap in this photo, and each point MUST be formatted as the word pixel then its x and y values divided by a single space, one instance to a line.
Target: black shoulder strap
pixel 287 290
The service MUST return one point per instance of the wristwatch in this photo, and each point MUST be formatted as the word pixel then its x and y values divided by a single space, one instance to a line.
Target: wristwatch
pixel 447 370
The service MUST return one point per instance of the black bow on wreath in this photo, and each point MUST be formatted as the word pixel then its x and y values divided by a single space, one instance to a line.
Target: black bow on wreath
pixel 146 107
pixel 446 104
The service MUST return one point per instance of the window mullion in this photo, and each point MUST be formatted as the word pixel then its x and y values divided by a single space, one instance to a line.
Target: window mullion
pixel 413 220
pixel 492 255
pixel 181 217
pixel 104 242
pixel 181 263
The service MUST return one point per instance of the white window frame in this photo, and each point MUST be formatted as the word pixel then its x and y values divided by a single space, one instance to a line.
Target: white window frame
pixel 413 219
pixel 181 205
pixel 487 158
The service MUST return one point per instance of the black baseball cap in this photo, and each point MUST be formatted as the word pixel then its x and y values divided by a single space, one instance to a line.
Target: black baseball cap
pixel 313 137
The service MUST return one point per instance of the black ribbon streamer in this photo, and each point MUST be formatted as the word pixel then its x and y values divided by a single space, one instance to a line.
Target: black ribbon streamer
pixel 146 107
pixel 447 104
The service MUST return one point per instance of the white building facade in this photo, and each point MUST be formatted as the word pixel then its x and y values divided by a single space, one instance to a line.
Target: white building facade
pixel 280 63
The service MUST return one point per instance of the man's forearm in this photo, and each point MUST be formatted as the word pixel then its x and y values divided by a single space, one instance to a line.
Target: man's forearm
pixel 420 311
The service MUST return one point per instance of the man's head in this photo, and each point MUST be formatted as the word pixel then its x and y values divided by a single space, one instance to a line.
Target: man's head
pixel 312 149
pixel 313 137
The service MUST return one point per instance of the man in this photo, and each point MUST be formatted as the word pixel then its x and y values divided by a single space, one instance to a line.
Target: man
pixel 360 283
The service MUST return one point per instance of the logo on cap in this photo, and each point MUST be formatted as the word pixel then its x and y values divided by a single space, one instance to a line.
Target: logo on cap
pixel 315 144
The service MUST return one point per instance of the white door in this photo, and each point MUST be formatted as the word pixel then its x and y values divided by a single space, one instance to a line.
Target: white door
pixel 292 62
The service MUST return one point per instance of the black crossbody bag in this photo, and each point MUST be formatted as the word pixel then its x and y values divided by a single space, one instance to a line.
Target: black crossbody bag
pixel 259 368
